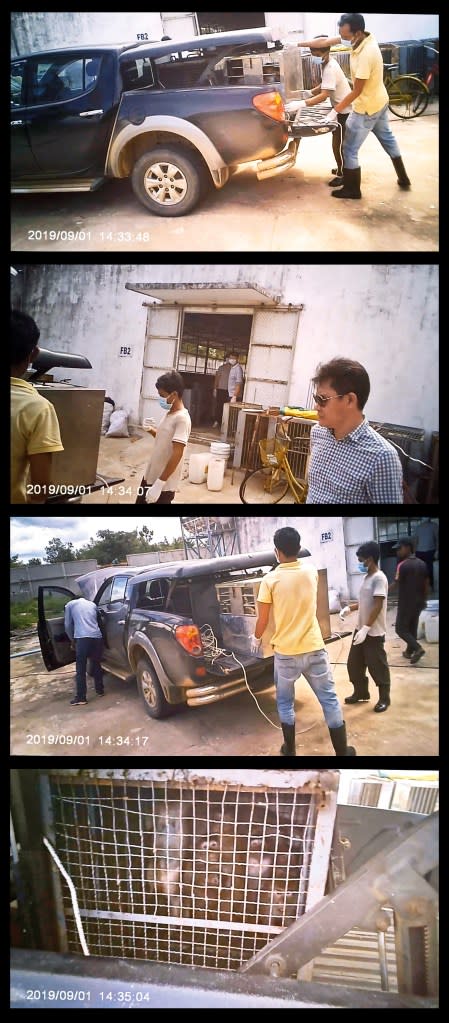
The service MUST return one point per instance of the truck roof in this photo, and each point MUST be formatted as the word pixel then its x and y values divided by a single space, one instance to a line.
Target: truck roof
pixel 157 48
pixel 91 582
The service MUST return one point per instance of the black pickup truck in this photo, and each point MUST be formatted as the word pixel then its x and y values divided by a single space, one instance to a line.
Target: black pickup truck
pixel 174 117
pixel 158 623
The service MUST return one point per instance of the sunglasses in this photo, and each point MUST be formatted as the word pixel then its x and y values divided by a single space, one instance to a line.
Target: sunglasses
pixel 319 399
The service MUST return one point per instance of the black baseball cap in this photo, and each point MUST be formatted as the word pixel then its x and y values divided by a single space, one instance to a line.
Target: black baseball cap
pixel 404 541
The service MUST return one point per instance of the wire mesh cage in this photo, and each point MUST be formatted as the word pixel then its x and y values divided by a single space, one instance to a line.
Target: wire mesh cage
pixel 198 873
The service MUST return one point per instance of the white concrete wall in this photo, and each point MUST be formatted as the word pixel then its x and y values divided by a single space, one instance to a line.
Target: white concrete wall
pixel 87 310
pixel 35 30
pixel 384 316
pixel 41 30
pixel 256 533
pixel 385 27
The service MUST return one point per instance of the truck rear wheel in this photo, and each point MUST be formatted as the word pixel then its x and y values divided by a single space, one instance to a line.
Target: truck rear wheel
pixel 169 182
pixel 151 692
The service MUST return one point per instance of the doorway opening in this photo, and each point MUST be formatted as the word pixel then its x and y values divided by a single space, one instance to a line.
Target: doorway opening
pixel 388 532
pixel 206 341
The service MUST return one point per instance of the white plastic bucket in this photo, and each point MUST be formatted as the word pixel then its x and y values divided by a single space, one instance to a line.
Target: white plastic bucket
pixel 198 464
pixel 220 449
pixel 215 472
pixel 432 628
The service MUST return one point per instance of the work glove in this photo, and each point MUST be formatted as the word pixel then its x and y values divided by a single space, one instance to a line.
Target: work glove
pixel 307 93
pixel 361 635
pixel 301 103
pixel 331 118
pixel 154 492
pixel 254 645
pixel 149 423
pixel 344 611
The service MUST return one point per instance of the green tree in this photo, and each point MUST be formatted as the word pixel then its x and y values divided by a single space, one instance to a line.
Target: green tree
pixel 35 561
pixel 15 563
pixel 109 546
pixel 57 550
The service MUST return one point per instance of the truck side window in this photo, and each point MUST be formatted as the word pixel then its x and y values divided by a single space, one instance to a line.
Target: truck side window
pixel 106 595
pixel 53 81
pixel 138 73
pixel 153 594
pixel 118 587
pixel 17 83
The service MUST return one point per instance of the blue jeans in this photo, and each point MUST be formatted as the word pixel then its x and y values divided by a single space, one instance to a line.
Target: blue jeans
pixel 316 669
pixel 88 648
pixel 358 127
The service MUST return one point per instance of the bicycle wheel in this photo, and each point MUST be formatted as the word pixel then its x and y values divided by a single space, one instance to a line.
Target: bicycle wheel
pixel 259 488
pixel 408 96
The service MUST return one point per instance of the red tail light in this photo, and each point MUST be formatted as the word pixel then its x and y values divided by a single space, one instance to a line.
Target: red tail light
pixel 271 104
pixel 190 638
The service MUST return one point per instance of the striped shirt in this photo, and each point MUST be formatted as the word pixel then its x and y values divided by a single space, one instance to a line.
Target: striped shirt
pixel 361 468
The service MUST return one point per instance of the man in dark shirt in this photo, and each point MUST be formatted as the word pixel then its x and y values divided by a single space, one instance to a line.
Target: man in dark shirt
pixel 413 586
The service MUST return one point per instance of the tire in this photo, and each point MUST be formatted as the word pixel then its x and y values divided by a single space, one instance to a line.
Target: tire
pixel 185 172
pixel 409 97
pixel 151 692
pixel 253 488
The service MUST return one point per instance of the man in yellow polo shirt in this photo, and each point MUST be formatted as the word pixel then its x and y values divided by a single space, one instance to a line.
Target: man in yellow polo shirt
pixel 291 590
pixel 369 99
pixel 34 423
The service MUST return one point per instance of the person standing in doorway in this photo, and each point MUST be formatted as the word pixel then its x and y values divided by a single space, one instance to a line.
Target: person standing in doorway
pixel 81 626
pixel 235 381
pixel 426 544
pixel 163 472
pixel 369 114
pixel 291 590
pixel 412 580
pixel 334 86
pixel 220 391
pixel 367 651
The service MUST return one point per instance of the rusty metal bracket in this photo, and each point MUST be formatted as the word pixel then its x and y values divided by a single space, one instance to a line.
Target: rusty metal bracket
pixel 393 877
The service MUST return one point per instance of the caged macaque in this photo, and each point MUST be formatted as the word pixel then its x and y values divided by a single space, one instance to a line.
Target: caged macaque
pixel 169 836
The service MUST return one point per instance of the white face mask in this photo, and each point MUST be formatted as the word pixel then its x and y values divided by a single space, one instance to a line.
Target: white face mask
pixel 317 60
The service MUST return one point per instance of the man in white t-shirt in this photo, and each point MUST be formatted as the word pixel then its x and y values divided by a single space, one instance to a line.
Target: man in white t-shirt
pixel 163 472
pixel 367 652
pixel 334 86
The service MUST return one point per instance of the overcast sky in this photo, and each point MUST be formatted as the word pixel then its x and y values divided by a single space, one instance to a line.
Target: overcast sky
pixel 30 536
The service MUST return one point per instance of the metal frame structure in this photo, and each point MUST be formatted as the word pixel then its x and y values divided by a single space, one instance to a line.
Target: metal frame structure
pixel 209 537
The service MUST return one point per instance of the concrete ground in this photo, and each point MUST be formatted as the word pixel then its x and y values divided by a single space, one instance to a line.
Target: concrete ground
pixel 292 212
pixel 128 457
pixel 43 723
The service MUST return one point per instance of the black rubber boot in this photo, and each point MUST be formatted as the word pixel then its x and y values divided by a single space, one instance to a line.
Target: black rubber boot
pixel 337 181
pixel 403 180
pixel 384 699
pixel 360 694
pixel 288 748
pixel 338 740
pixel 351 185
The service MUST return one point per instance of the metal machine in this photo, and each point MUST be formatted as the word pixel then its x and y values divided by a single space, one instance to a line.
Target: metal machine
pixel 79 411
pixel 209 888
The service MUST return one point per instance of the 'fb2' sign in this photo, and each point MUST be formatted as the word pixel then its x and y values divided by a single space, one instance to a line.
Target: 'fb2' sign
pixel 126 350
pixel 328 535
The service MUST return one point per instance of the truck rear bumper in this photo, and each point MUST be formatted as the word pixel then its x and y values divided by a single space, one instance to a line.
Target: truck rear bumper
pixel 283 161
pixel 213 693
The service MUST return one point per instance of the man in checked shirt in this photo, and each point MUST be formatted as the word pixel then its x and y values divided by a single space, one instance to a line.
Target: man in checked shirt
pixel 350 463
